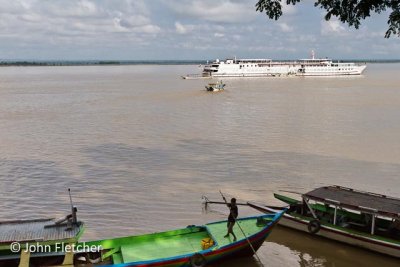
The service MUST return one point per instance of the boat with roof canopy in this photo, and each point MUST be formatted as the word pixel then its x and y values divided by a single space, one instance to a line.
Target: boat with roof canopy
pixel 40 242
pixel 363 219
pixel 215 87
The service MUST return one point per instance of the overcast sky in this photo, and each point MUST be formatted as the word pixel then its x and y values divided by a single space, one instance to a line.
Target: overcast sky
pixel 181 29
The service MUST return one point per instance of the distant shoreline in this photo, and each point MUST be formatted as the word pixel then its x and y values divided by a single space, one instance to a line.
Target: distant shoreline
pixel 22 63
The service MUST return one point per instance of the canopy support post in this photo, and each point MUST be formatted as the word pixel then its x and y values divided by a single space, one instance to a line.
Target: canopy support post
pixel 335 216
pixel 309 207
pixel 373 224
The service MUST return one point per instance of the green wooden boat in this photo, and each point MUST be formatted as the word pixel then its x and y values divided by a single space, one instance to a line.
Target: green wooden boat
pixel 184 247
pixel 363 219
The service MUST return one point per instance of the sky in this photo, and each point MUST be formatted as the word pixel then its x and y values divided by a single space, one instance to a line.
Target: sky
pixel 182 30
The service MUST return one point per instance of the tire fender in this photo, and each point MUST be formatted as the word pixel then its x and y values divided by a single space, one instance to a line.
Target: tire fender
pixel 314 226
pixel 197 260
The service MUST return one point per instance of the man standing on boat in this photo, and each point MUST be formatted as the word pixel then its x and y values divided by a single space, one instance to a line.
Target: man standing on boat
pixel 233 214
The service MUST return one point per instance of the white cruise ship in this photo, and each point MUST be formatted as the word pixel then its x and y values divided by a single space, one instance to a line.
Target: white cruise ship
pixel 250 68
pixel 325 67
pixel 267 67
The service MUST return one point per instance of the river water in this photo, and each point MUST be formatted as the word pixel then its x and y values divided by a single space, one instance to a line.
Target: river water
pixel 139 146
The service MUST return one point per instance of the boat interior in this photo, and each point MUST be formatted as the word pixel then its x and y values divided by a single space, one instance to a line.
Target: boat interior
pixel 152 246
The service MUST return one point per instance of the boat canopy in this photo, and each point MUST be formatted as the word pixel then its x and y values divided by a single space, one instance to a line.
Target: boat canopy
pixel 40 230
pixel 357 200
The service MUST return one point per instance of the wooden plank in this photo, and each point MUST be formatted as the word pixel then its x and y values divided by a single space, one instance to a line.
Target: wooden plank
pixel 24 261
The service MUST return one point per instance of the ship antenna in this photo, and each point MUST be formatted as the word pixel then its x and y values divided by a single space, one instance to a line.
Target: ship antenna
pixel 312 54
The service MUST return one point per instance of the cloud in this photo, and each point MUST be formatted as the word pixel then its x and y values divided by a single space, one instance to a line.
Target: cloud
pixel 223 11
pixel 288 9
pixel 183 29
pixel 188 29
pixel 74 18
pixel 73 8
pixel 236 37
pixel 133 21
pixel 285 27
pixel 332 27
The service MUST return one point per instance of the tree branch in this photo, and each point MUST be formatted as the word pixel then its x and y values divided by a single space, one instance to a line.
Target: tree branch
pixel 351 12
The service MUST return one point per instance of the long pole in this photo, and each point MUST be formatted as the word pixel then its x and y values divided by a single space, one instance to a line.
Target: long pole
pixel 248 241
pixel 70 199
pixel 74 219
pixel 207 201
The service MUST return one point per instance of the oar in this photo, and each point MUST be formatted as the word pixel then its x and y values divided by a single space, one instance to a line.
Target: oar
pixel 248 241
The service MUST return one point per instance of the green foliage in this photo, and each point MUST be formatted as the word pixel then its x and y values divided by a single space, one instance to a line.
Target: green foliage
pixel 351 12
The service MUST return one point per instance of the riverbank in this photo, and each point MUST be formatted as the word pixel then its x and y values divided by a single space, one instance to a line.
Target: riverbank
pixel 23 63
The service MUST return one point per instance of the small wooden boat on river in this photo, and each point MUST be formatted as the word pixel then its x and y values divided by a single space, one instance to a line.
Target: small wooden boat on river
pixel 190 246
pixel 39 242
pixel 215 87
pixel 363 219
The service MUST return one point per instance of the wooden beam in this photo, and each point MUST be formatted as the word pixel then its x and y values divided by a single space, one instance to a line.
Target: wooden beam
pixel 24 260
